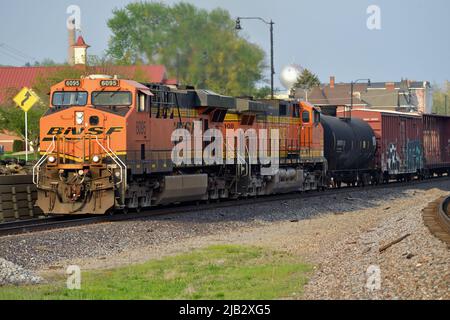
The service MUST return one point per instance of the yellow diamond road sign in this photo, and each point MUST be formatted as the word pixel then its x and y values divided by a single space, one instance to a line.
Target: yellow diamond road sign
pixel 26 99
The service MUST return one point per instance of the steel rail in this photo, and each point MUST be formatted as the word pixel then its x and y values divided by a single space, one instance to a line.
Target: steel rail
pixel 436 217
pixel 64 221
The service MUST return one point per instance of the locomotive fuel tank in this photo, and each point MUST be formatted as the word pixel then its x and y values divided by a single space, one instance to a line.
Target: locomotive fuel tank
pixel 348 144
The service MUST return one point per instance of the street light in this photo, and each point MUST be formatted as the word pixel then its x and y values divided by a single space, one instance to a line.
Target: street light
pixel 351 96
pixel 271 23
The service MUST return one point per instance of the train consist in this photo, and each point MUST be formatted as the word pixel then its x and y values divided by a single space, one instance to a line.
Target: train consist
pixel 108 144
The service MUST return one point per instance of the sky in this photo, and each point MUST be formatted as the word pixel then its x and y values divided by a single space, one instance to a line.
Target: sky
pixel 326 36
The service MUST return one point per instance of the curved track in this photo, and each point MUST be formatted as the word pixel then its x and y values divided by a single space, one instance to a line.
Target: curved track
pixel 55 222
pixel 437 218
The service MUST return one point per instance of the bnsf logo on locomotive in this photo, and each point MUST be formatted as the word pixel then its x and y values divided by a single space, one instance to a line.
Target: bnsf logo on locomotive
pixel 56 131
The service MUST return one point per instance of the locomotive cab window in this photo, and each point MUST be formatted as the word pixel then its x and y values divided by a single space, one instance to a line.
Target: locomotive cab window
pixel 305 116
pixel 69 98
pixel 283 110
pixel 142 102
pixel 316 117
pixel 296 111
pixel 111 98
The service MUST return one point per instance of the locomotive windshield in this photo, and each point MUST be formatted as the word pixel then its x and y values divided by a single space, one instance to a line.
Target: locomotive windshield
pixel 111 98
pixel 316 117
pixel 69 98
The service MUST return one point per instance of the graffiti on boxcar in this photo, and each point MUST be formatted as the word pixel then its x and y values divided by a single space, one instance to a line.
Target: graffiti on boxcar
pixel 393 160
pixel 414 156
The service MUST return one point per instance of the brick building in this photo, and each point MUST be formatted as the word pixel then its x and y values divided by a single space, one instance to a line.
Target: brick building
pixel 405 96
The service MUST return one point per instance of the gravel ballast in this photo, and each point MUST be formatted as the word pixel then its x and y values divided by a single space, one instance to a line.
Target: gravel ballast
pixel 340 234
pixel 12 274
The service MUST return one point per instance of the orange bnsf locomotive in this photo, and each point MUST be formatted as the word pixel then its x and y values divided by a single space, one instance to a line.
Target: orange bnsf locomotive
pixel 108 144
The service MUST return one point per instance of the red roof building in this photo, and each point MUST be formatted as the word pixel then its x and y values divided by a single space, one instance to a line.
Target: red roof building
pixel 12 79
pixel 81 43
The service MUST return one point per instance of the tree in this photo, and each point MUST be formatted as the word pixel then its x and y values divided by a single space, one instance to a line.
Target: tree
pixel 439 93
pixel 12 119
pixel 44 81
pixel 262 93
pixel 201 47
pixel 47 62
pixel 307 80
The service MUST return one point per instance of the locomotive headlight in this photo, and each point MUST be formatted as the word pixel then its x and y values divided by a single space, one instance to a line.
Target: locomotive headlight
pixel 96 159
pixel 51 159
pixel 79 117
pixel 80 172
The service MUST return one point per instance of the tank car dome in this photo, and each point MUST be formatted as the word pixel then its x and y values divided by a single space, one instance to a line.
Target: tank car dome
pixel 289 75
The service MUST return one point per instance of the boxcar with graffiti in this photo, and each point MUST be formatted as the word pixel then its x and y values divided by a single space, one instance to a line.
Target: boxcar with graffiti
pixel 399 142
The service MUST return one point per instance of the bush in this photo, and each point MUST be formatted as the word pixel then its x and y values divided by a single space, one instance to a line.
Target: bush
pixel 18 145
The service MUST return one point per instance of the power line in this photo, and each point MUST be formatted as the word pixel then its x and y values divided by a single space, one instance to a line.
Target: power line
pixel 16 52
pixel 6 53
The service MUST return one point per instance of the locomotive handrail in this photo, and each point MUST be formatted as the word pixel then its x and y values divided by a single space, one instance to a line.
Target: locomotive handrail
pixel 117 157
pixel 38 164
pixel 119 162
pixel 113 156
pixel 239 156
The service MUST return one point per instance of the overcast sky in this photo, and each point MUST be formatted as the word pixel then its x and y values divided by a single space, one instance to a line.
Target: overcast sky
pixel 327 36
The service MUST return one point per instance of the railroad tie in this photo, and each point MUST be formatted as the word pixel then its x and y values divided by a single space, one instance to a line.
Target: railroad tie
pixel 30 202
pixel 2 216
pixel 14 200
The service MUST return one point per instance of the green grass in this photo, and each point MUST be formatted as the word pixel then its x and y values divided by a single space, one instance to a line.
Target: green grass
pixel 9 155
pixel 217 272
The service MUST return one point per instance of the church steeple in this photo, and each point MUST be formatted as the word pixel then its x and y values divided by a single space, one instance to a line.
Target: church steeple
pixel 80 51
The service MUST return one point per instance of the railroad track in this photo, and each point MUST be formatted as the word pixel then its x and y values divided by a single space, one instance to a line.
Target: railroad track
pixel 437 218
pixel 56 222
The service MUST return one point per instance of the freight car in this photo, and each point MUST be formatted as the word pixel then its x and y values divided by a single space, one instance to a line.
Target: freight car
pixel 436 144
pixel 399 141
pixel 109 143
pixel 349 147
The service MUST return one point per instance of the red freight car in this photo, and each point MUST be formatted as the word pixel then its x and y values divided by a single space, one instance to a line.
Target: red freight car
pixel 436 144
pixel 399 142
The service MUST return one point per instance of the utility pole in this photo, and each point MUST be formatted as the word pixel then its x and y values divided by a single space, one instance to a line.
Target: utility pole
pixel 178 67
pixel 348 111
pixel 272 68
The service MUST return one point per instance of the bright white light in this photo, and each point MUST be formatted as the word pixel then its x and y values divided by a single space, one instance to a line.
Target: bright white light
pixel 95 159
pixel 79 117
pixel 51 159
pixel 80 172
